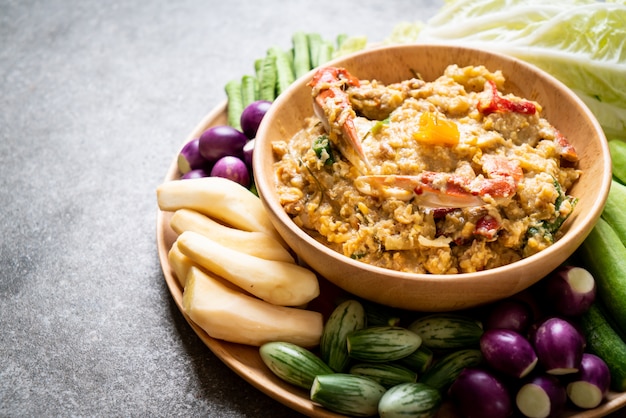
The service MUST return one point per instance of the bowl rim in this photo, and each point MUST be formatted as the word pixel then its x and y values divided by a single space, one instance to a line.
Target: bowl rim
pixel 570 241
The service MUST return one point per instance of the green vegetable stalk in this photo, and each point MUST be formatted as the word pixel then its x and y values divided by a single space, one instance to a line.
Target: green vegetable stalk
pixel 301 54
pixel 314 41
pixel 268 77
pixel 613 212
pixel 235 103
pixel 284 72
pixel 249 89
pixel 605 256
pixel 605 341
pixel 279 68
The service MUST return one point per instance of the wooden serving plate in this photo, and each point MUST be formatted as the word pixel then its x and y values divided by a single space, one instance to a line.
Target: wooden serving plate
pixel 245 360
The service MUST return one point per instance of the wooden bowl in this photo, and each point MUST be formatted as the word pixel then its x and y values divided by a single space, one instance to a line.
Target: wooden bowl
pixel 427 292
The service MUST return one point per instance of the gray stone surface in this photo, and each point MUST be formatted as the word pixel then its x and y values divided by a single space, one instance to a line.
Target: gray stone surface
pixel 95 99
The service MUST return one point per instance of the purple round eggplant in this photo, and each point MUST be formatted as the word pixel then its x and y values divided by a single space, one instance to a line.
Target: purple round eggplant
pixel 541 396
pixel 590 385
pixel 248 150
pixel 512 314
pixel 189 157
pixel 479 393
pixel 221 141
pixel 196 173
pixel 570 290
pixel 508 352
pixel 559 346
pixel 232 168
pixel 252 116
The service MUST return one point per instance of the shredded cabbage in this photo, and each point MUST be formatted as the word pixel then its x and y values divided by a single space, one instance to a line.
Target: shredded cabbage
pixel 580 42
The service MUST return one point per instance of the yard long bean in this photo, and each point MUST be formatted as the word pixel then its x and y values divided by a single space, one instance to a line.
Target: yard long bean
pixel 267 83
pixel 249 89
pixel 301 54
pixel 235 103
pixel 284 72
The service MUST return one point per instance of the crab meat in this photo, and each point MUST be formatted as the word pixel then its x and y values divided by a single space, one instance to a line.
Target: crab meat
pixel 448 190
pixel 332 106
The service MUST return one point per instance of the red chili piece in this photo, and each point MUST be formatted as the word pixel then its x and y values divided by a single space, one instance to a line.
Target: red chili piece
pixel 500 104
pixel 487 226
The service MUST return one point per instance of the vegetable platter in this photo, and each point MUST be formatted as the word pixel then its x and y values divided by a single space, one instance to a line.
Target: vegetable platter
pixel 246 361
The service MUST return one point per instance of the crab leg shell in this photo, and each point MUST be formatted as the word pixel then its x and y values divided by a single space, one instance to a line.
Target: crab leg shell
pixel 332 106
pixel 425 188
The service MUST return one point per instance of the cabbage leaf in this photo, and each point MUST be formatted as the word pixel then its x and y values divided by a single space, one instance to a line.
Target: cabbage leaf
pixel 580 42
